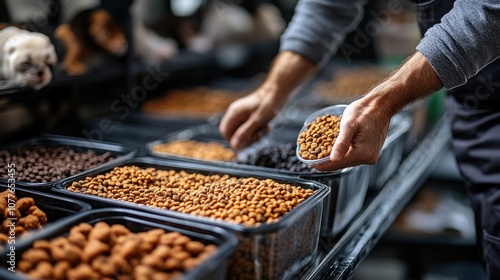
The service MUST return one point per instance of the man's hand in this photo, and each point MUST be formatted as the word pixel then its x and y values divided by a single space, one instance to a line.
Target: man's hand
pixel 365 122
pixel 247 117
pixel 363 130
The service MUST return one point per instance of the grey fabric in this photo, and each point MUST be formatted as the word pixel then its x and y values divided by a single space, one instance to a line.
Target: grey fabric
pixel 464 42
pixel 319 27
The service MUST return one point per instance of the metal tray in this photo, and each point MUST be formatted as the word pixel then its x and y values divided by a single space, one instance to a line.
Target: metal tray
pixel 268 251
pixel 214 267
pixel 120 152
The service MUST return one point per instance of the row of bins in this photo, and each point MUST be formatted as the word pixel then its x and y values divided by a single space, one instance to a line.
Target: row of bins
pixel 277 248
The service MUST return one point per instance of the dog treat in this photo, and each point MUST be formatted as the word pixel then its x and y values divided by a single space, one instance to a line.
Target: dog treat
pixel 41 164
pixel 154 254
pixel 198 150
pixel 278 155
pixel 198 101
pixel 351 83
pixel 28 215
pixel 317 140
pixel 247 201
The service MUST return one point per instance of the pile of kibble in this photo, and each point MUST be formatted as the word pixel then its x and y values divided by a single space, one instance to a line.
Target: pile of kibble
pixel 196 149
pixel 41 164
pixel 277 155
pixel 25 214
pixel 249 201
pixel 197 101
pixel 350 84
pixel 114 252
pixel 317 140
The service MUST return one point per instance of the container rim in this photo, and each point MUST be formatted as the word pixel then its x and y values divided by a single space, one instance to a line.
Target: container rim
pixel 321 192
pixel 122 153
pixel 228 242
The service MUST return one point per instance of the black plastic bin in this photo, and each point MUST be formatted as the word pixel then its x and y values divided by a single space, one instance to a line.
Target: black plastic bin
pixel 121 153
pixel 212 268
pixel 268 251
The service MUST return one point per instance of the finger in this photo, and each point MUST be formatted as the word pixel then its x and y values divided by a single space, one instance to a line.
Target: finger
pixel 230 123
pixel 349 160
pixel 248 132
pixel 344 139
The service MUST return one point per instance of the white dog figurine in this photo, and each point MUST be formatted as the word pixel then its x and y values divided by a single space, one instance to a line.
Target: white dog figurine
pixel 26 58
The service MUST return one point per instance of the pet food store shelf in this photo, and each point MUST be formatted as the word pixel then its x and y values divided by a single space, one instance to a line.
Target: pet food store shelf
pixel 341 259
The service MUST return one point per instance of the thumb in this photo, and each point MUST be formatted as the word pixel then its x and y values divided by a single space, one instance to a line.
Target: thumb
pixel 343 142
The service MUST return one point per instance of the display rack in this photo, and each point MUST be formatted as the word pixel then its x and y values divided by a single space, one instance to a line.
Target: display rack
pixel 339 259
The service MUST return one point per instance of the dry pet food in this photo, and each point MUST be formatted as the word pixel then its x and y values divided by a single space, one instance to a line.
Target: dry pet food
pixel 22 217
pixel 195 149
pixel 41 164
pixel 278 155
pixel 248 201
pixel 106 251
pixel 198 101
pixel 348 84
pixel 317 140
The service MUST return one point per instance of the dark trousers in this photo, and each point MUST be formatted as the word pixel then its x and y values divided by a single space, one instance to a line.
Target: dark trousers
pixel 475 112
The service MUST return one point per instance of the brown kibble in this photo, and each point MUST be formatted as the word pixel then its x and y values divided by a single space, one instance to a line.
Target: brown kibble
pixel 93 249
pixel 119 230
pixel 195 247
pixel 43 270
pixel 313 144
pixel 82 272
pixel 77 238
pixel 60 270
pixel 42 245
pixel 36 256
pixel 172 264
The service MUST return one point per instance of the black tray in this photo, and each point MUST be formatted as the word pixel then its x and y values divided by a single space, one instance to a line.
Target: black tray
pixel 275 250
pixel 120 152
pixel 212 268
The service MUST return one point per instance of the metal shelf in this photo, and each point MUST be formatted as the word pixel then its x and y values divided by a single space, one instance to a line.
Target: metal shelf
pixel 340 260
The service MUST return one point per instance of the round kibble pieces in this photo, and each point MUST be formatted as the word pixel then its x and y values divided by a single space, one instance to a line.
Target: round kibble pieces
pixel 248 201
pixel 317 140
pixel 104 251
pixel 41 164
pixel 194 149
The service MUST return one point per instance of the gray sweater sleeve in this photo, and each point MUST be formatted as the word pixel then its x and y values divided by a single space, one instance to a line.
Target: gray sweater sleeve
pixel 318 27
pixel 464 42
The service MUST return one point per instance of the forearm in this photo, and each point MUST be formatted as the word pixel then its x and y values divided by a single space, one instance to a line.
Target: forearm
pixel 415 79
pixel 288 71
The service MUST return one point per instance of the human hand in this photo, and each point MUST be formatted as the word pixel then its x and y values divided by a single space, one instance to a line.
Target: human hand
pixel 363 130
pixel 247 118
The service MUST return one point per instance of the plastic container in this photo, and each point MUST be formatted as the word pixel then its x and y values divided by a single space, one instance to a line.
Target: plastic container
pixel 121 153
pixel 55 208
pixel 268 251
pixel 348 186
pixel 335 110
pixel 392 151
pixel 213 268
